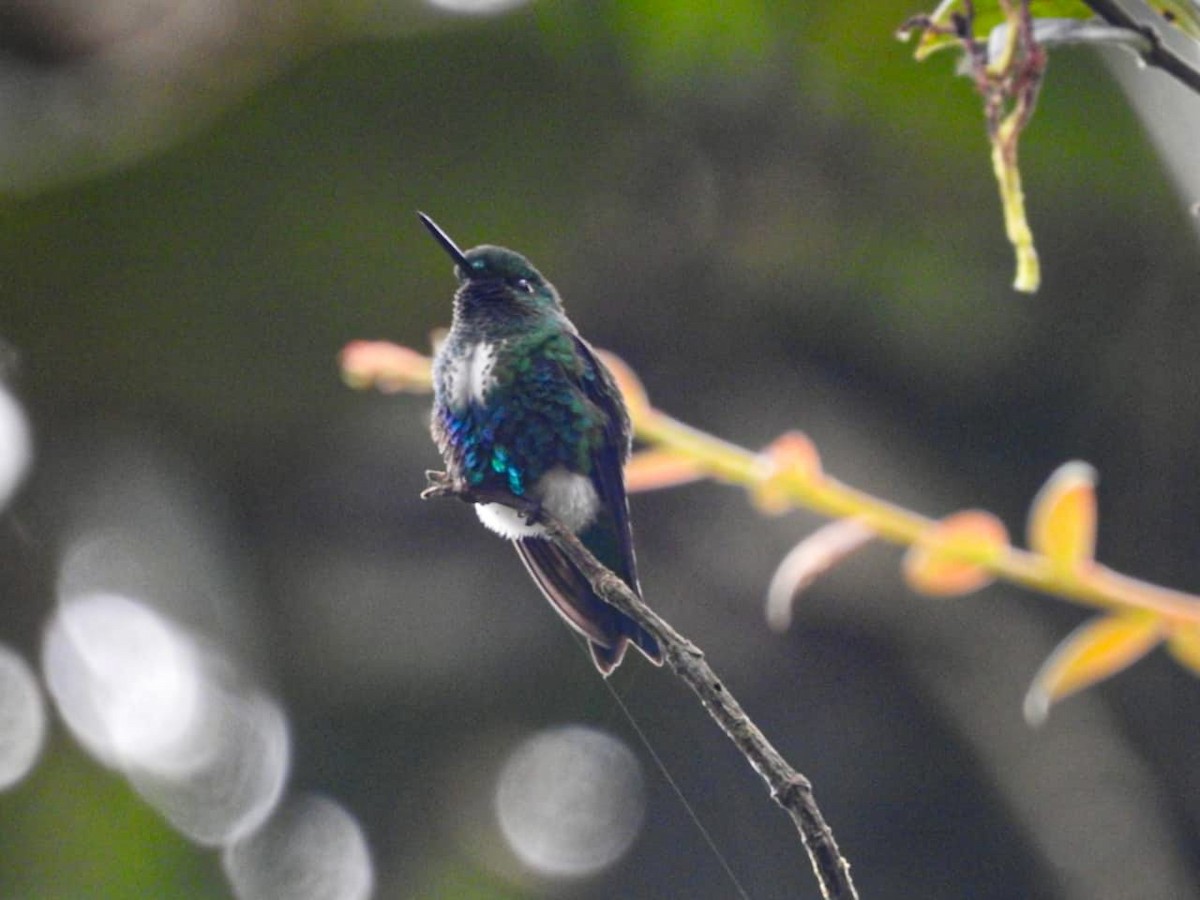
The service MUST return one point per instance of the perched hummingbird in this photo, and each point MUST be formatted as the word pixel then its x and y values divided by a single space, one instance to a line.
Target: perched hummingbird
pixel 522 405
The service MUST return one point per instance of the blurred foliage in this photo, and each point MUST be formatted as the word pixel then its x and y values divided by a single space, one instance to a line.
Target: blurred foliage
pixel 1004 46
pixel 272 223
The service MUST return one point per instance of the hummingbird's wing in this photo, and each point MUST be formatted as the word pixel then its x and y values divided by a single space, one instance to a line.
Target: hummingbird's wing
pixel 604 626
pixel 608 464
pixel 609 538
pixel 607 629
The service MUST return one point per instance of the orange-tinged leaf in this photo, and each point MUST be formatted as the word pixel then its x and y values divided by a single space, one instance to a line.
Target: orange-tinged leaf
pixel 636 399
pixel 650 470
pixel 1184 644
pixel 812 557
pixel 796 451
pixel 386 367
pixel 1062 520
pixel 791 457
pixel 949 559
pixel 1095 650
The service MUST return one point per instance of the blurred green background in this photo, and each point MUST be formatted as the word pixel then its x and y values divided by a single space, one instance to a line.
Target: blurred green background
pixel 781 221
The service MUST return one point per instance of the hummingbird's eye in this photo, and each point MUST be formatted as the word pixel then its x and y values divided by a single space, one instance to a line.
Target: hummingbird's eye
pixel 523 285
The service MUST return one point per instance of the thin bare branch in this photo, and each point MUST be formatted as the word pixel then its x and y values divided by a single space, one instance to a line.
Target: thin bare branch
pixel 789 788
pixel 1156 53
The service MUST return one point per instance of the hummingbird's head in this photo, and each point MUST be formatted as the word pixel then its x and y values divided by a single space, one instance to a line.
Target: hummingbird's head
pixel 496 279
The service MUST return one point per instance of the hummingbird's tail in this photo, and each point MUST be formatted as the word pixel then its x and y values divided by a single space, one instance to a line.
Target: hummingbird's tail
pixel 607 629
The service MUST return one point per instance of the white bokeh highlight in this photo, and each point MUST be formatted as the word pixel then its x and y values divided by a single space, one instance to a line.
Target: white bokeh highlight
pixel 144 696
pixel 310 849
pixel 240 759
pixel 570 801
pixel 126 681
pixel 477 7
pixel 16 446
pixel 22 718
pixel 144 657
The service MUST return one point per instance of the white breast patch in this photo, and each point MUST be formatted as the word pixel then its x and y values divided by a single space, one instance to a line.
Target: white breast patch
pixel 470 377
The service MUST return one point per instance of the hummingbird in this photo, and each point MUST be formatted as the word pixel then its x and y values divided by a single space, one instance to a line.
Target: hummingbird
pixel 522 406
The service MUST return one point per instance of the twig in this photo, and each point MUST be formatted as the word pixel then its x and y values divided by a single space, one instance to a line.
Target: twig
pixel 1157 53
pixel 787 475
pixel 789 788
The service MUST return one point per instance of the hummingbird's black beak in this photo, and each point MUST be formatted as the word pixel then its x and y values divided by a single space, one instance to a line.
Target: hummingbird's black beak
pixel 448 245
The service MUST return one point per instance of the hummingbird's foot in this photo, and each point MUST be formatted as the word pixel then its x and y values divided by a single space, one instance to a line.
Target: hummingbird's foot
pixel 443 484
pixel 531 510
pixel 440 484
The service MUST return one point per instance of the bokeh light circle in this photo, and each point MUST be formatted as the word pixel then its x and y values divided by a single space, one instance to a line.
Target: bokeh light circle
pixel 22 718
pixel 144 696
pixel 310 849
pixel 241 758
pixel 126 680
pixel 477 7
pixel 570 801
pixel 16 445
